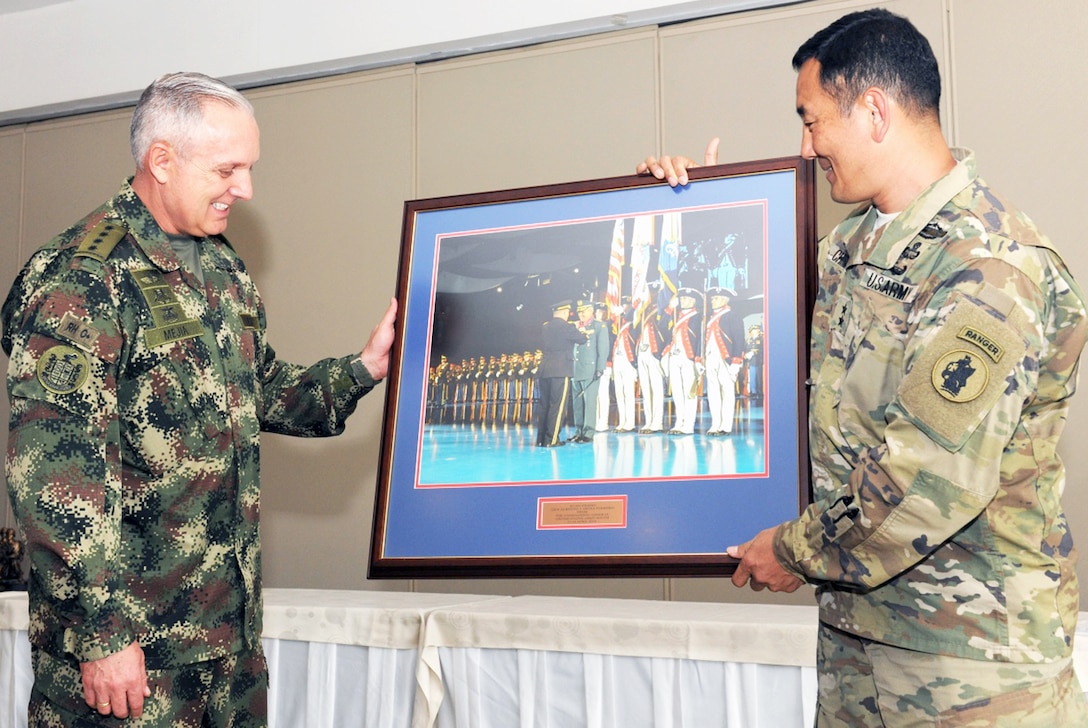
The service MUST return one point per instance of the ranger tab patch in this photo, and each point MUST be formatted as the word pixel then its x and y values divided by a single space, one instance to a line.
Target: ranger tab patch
pixel 982 341
pixel 63 369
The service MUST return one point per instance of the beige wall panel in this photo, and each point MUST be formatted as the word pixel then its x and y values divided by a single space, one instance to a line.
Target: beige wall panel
pixel 1018 87
pixel 606 588
pixel 561 112
pixel 732 78
pixel 11 197
pixel 322 238
pixel 72 167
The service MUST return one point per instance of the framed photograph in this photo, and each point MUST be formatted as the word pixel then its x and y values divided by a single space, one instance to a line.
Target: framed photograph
pixel 598 378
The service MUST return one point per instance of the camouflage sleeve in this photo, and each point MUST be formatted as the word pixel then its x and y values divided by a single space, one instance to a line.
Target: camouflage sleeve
pixel 63 457
pixel 947 436
pixel 312 401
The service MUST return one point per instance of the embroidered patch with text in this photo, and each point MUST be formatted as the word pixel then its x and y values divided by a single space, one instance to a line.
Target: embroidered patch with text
pixel 890 287
pixel 170 323
pixel 74 329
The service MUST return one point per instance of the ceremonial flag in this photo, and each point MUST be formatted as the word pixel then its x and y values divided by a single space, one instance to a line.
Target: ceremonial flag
pixel 642 242
pixel 615 274
pixel 668 260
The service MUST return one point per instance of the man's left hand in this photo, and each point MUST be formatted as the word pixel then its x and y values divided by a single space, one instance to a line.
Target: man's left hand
pixel 759 566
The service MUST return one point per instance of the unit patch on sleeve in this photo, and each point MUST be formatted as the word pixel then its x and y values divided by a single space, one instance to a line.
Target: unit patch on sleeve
pixel 961 374
pixel 63 369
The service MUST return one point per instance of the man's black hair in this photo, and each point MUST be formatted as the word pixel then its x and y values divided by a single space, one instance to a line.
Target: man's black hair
pixel 875 48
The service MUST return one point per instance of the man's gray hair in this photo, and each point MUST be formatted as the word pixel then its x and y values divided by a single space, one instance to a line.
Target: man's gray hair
pixel 171 110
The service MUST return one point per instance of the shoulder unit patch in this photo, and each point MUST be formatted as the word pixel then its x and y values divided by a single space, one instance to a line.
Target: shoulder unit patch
pixel 962 373
pixel 63 369
pixel 960 376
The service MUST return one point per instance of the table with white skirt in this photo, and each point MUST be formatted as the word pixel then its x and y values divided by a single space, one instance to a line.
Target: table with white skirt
pixel 340 659
pixel 619 663
pixel 335 658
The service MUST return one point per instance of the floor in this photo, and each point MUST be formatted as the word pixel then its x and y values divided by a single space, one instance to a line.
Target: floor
pixel 497 450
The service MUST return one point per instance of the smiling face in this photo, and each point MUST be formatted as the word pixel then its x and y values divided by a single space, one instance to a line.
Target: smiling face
pixel 196 191
pixel 839 143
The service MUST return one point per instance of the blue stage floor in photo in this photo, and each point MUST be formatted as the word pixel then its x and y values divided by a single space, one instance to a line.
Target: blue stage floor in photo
pixel 491 453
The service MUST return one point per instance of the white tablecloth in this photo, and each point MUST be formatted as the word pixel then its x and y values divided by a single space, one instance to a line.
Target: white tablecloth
pixel 347 658
pixel 553 661
pixel 335 658
pixel 340 659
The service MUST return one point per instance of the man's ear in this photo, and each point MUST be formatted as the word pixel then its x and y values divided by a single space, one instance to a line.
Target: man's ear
pixel 879 109
pixel 162 160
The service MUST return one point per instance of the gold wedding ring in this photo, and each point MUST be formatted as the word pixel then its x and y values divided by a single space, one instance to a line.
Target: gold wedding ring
pixel 104 705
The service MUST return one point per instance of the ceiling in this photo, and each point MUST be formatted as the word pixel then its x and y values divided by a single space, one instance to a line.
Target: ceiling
pixel 16 6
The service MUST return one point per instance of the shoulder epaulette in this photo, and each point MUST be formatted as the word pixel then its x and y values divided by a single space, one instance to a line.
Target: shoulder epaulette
pixel 101 240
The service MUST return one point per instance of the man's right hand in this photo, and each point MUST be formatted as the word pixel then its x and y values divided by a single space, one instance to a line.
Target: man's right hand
pixel 675 169
pixel 117 685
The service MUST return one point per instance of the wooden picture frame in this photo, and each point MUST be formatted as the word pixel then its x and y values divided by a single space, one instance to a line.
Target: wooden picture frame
pixel 463 488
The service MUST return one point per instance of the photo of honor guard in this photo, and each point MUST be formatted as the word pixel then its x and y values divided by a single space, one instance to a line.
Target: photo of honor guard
pixel 140 381
pixel 723 355
pixel 625 370
pixel 684 361
pixel 651 371
pixel 945 341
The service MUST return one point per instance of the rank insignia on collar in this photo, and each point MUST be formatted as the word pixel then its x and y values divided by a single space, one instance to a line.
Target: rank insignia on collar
pixel 932 231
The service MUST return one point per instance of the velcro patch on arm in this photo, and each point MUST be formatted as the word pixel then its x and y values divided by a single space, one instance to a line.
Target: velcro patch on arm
pixel 961 374
pixel 77 331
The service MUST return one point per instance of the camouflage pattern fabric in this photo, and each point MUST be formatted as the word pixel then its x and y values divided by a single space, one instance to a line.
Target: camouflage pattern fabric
pixel 137 400
pixel 870 685
pixel 944 353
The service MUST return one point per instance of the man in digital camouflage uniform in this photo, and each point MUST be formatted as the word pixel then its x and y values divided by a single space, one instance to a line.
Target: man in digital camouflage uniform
pixel 945 341
pixel 140 380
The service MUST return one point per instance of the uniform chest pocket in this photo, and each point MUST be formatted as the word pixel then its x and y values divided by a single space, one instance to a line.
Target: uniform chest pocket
pixel 172 404
pixel 873 335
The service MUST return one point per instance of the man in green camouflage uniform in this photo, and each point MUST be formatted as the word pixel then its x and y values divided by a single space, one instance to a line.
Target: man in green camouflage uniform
pixel 945 342
pixel 140 381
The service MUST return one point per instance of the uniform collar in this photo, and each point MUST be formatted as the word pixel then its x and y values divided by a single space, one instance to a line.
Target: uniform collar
pixel 884 247
pixel 149 237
